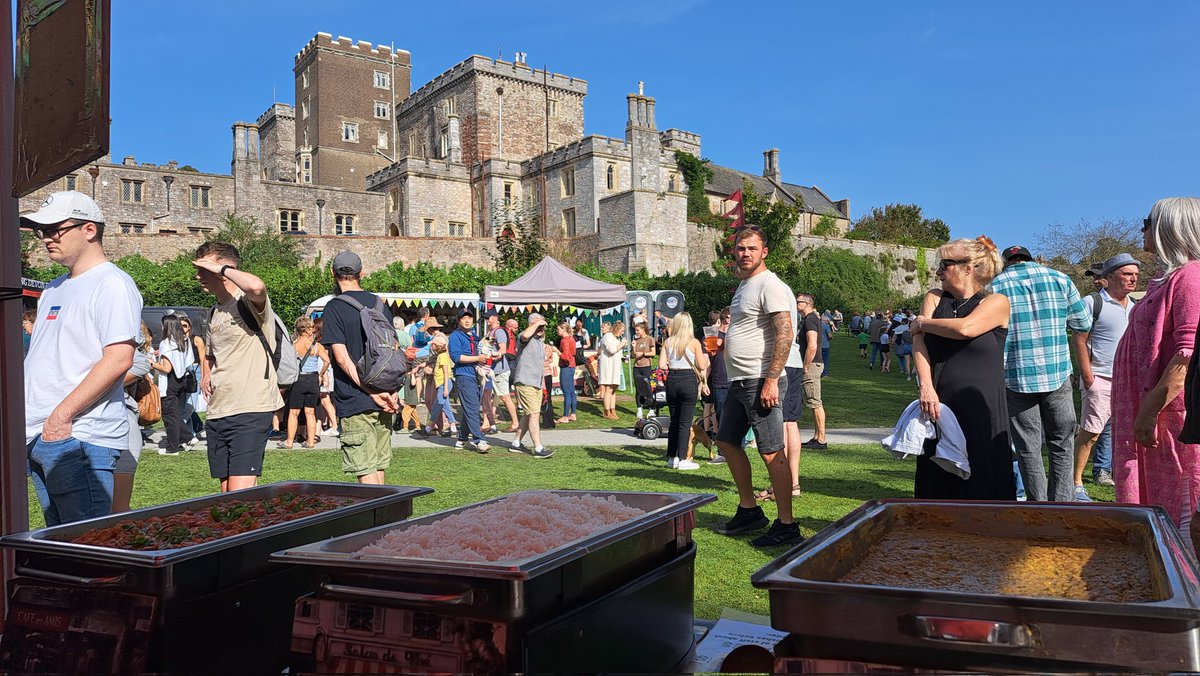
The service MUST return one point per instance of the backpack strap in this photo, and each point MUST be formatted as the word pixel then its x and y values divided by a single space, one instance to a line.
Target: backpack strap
pixel 1097 306
pixel 252 321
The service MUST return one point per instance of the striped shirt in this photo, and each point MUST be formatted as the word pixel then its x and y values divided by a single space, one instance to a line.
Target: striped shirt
pixel 1044 304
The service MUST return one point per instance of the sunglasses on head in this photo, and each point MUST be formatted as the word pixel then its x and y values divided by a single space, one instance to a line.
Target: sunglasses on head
pixel 1145 224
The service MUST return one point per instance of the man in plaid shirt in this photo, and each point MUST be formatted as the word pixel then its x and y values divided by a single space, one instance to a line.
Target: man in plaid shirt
pixel 1037 369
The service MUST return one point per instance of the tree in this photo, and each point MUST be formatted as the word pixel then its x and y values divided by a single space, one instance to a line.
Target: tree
pixel 776 218
pixel 826 225
pixel 1073 248
pixel 519 244
pixel 901 224
pixel 260 247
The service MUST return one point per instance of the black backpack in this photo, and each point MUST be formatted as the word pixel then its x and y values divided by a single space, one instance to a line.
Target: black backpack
pixel 383 364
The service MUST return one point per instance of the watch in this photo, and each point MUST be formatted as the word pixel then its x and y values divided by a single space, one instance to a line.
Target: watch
pixel 223 269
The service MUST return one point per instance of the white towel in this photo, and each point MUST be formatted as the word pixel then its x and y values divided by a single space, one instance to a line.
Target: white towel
pixel 913 428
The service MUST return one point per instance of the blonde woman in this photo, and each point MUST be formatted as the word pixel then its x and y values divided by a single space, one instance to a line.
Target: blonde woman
pixel 958 347
pixel 305 394
pixel 687 365
pixel 612 343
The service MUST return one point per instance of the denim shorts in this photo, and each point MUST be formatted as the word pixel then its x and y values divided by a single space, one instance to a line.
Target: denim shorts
pixel 743 410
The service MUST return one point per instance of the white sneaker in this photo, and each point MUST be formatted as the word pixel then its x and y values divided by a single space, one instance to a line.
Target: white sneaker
pixel 687 464
pixel 639 413
pixel 672 462
pixel 482 446
pixel 331 432
pixel 459 443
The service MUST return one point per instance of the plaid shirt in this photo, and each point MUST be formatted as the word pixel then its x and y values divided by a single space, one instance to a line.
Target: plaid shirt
pixel 1044 304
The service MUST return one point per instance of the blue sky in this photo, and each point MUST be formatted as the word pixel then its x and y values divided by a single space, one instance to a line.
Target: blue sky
pixel 999 118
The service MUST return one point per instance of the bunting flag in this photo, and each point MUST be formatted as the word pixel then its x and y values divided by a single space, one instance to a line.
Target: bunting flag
pixel 738 212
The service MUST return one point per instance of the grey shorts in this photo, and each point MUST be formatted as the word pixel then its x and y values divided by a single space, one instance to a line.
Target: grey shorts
pixel 500 383
pixel 743 410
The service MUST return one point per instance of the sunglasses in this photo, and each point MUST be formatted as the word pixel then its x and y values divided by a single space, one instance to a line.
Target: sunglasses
pixel 1145 224
pixel 949 262
pixel 56 232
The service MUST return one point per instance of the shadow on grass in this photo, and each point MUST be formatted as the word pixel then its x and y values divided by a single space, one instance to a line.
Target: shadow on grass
pixel 710 521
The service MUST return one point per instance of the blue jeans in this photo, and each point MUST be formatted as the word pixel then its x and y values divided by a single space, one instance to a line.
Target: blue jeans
pixel 469 393
pixel 1102 451
pixel 825 360
pixel 874 351
pixel 73 479
pixel 442 406
pixel 719 395
pixel 566 379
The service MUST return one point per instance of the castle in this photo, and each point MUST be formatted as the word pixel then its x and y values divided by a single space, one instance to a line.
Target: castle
pixel 433 173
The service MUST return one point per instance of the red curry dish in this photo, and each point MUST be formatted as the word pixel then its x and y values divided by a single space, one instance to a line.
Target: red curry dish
pixel 196 526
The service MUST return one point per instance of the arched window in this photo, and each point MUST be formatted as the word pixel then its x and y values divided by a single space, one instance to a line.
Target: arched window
pixel 610 176
pixel 393 230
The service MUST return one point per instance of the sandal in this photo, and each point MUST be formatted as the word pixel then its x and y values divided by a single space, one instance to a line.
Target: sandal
pixel 563 420
pixel 767 495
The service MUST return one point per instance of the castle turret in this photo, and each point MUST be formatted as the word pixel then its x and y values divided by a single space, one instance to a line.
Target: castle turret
pixel 642 137
pixel 771 165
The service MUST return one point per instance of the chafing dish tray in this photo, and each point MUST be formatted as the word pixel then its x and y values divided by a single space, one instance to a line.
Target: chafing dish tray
pixel 988 630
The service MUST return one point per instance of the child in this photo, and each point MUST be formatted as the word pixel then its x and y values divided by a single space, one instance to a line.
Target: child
pixel 443 380
pixel 864 339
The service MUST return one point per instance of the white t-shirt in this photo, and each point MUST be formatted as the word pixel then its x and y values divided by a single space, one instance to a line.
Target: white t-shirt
pixel 76 319
pixel 750 337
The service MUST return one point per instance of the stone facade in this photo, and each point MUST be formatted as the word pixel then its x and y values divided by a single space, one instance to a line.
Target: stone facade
pixel 483 138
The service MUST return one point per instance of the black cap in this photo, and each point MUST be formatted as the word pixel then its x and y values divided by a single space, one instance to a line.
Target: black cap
pixel 466 312
pixel 347 263
pixel 1094 270
pixel 490 312
pixel 1014 252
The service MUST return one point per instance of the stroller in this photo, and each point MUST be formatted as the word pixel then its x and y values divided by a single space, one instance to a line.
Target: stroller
pixel 651 427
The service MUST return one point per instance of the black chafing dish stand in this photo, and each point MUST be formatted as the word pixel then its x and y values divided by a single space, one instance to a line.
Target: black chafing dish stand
pixel 618 601
pixel 214 607
pixel 838 627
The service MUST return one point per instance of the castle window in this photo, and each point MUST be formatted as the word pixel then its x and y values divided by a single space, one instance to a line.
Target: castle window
pixel 429 227
pixel 131 191
pixel 306 168
pixel 451 106
pixel 304 110
pixel 391 199
pixel 672 182
pixel 71 182
pixel 568 182
pixel 414 150
pixel 458 229
pixel 568 222
pixel 552 107
pixel 199 195
pixel 381 110
pixel 381 140
pixel 289 220
pixel 350 132
pixel 610 176
pixel 304 77
pixel 382 80
pixel 343 224
pixel 508 193
pixel 443 144
pixel 133 229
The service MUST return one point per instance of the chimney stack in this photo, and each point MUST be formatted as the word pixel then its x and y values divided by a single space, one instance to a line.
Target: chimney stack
pixel 771 165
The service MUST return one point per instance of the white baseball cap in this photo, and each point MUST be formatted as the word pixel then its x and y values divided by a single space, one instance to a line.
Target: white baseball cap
pixel 62 206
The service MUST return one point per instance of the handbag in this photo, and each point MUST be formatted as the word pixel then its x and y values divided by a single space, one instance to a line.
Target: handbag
pixel 187 384
pixel 149 402
pixel 702 387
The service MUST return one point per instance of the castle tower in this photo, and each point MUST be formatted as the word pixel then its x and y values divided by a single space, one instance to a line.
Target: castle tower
pixel 643 139
pixel 346 98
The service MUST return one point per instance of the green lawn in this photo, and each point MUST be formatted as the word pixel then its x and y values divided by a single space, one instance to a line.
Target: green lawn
pixel 834 482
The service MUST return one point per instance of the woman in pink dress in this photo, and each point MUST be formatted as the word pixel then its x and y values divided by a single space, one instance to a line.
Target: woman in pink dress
pixel 1150 465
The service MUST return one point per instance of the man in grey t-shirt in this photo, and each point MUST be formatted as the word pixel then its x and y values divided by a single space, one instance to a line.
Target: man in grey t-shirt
pixel 757 344
pixel 527 382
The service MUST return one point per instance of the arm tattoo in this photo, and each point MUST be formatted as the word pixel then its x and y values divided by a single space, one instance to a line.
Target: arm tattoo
pixel 782 323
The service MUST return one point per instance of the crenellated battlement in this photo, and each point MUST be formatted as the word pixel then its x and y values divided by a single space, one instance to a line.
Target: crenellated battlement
pixel 588 145
pixel 350 46
pixel 482 64
pixel 416 165
pixel 281 111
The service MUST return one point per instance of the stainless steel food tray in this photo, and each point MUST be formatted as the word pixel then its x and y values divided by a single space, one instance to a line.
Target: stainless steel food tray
pixel 57 540
pixel 341 552
pixel 807 598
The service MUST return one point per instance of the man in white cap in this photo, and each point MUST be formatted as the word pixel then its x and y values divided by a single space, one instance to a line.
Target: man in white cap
pixel 1094 350
pixel 88 322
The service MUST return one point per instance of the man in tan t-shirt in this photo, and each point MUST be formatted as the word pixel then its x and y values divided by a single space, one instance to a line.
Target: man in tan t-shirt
pixel 238 377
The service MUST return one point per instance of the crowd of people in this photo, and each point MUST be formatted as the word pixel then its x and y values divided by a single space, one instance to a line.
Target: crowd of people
pixel 989 348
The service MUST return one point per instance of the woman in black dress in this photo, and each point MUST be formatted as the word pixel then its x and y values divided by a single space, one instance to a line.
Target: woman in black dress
pixel 958 345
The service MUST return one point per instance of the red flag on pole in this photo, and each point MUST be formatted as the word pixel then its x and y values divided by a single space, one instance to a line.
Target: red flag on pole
pixel 737 213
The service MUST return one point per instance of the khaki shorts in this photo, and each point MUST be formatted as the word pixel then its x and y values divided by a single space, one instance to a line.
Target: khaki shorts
pixel 500 383
pixel 529 399
pixel 812 385
pixel 366 443
pixel 1096 405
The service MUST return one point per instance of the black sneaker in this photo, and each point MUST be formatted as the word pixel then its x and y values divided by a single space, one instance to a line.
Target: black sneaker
pixel 543 453
pixel 814 445
pixel 779 534
pixel 744 520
